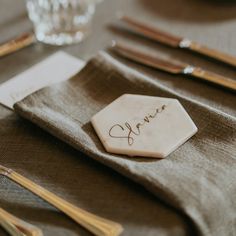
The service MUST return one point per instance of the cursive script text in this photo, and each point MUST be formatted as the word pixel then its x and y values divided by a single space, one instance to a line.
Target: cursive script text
pixel 131 131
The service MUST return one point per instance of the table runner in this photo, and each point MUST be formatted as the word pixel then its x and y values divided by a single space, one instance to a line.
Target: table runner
pixel 197 179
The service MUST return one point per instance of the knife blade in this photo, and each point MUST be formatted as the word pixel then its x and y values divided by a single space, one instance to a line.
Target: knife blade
pixel 177 42
pixel 172 66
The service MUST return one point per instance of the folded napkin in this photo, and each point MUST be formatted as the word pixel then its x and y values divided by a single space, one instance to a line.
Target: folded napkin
pixel 198 179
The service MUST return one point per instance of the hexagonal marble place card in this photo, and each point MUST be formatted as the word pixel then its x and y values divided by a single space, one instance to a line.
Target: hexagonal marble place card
pixel 137 125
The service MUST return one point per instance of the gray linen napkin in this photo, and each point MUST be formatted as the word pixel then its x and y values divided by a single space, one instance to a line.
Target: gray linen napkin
pixel 198 179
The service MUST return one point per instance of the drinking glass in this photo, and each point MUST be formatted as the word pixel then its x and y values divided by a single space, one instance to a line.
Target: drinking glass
pixel 60 22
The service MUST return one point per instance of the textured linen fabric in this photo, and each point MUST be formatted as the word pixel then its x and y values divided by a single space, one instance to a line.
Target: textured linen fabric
pixel 198 179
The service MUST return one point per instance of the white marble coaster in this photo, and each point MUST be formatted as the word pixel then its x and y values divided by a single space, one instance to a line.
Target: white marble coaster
pixel 137 125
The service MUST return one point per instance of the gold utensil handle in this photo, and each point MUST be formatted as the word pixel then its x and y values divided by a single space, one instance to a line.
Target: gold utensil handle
pixel 24 227
pixel 214 78
pixel 215 54
pixel 9 227
pixel 176 41
pixel 147 59
pixel 22 41
pixel 95 224
pixel 151 32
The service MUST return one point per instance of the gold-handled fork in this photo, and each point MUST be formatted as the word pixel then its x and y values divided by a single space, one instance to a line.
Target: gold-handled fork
pixel 95 224
pixel 16 226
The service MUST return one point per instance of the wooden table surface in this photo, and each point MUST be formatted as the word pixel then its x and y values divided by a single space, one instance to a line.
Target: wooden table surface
pixel 46 160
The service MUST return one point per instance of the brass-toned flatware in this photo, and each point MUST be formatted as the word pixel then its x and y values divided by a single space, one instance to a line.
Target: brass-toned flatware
pixel 19 225
pixel 173 67
pixel 95 224
pixel 177 42
pixel 10 228
pixel 16 44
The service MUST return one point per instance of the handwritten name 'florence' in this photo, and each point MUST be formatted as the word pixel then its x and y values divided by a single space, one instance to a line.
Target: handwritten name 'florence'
pixel 131 131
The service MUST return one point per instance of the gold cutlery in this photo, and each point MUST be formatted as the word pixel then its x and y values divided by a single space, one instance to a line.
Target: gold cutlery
pixel 13 45
pixel 173 67
pixel 16 226
pixel 177 42
pixel 10 228
pixel 95 224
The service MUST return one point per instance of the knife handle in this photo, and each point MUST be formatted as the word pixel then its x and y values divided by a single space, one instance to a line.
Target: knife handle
pixel 215 54
pixel 214 78
pixel 97 225
pixel 16 44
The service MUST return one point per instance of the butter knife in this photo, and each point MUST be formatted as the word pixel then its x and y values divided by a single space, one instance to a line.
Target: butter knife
pixel 177 42
pixel 173 67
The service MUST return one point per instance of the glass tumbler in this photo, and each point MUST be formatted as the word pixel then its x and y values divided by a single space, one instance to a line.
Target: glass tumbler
pixel 60 22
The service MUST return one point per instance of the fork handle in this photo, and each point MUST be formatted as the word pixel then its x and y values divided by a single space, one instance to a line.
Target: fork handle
pixel 26 228
pixel 9 227
pixel 16 44
pixel 95 224
pixel 214 78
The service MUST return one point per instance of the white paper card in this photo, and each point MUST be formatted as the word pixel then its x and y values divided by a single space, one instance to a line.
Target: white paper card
pixel 56 68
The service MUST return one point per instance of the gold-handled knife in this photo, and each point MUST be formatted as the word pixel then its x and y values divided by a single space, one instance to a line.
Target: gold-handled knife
pixel 177 42
pixel 173 67
pixel 16 44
